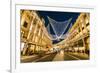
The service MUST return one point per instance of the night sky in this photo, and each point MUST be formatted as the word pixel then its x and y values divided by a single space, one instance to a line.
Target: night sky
pixel 58 16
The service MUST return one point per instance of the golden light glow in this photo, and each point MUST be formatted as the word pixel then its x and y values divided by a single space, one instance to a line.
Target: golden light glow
pixel 35 38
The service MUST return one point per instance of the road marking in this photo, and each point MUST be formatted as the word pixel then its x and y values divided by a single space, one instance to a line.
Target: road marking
pixel 41 58
pixel 73 57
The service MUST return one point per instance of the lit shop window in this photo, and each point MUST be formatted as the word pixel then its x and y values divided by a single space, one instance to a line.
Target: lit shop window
pixel 22 46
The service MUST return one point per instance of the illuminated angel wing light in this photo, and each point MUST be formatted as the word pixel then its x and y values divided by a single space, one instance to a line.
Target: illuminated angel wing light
pixel 59 27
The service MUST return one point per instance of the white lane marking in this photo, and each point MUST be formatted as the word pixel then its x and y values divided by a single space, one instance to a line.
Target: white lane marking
pixel 41 58
pixel 73 57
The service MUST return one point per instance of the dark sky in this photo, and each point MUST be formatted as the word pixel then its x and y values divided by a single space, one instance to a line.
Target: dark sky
pixel 58 16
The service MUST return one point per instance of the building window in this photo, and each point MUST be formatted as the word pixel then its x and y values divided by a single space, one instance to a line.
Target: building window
pixel 35 21
pixel 79 30
pixel 85 16
pixel 80 43
pixel 87 24
pixel 25 24
pixel 82 28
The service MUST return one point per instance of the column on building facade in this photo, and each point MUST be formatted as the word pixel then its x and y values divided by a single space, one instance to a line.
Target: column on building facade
pixel 25 28
pixel 82 25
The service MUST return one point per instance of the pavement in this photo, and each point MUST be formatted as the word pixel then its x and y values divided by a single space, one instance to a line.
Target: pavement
pixel 68 57
pixel 81 56
pixel 25 59
pixel 60 56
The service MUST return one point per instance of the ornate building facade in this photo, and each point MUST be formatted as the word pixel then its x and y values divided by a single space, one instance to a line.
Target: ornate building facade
pixel 34 36
pixel 78 39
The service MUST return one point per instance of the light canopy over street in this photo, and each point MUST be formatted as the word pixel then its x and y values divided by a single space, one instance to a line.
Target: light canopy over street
pixel 54 36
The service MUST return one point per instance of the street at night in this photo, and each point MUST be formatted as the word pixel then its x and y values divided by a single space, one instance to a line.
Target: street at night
pixel 54 36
